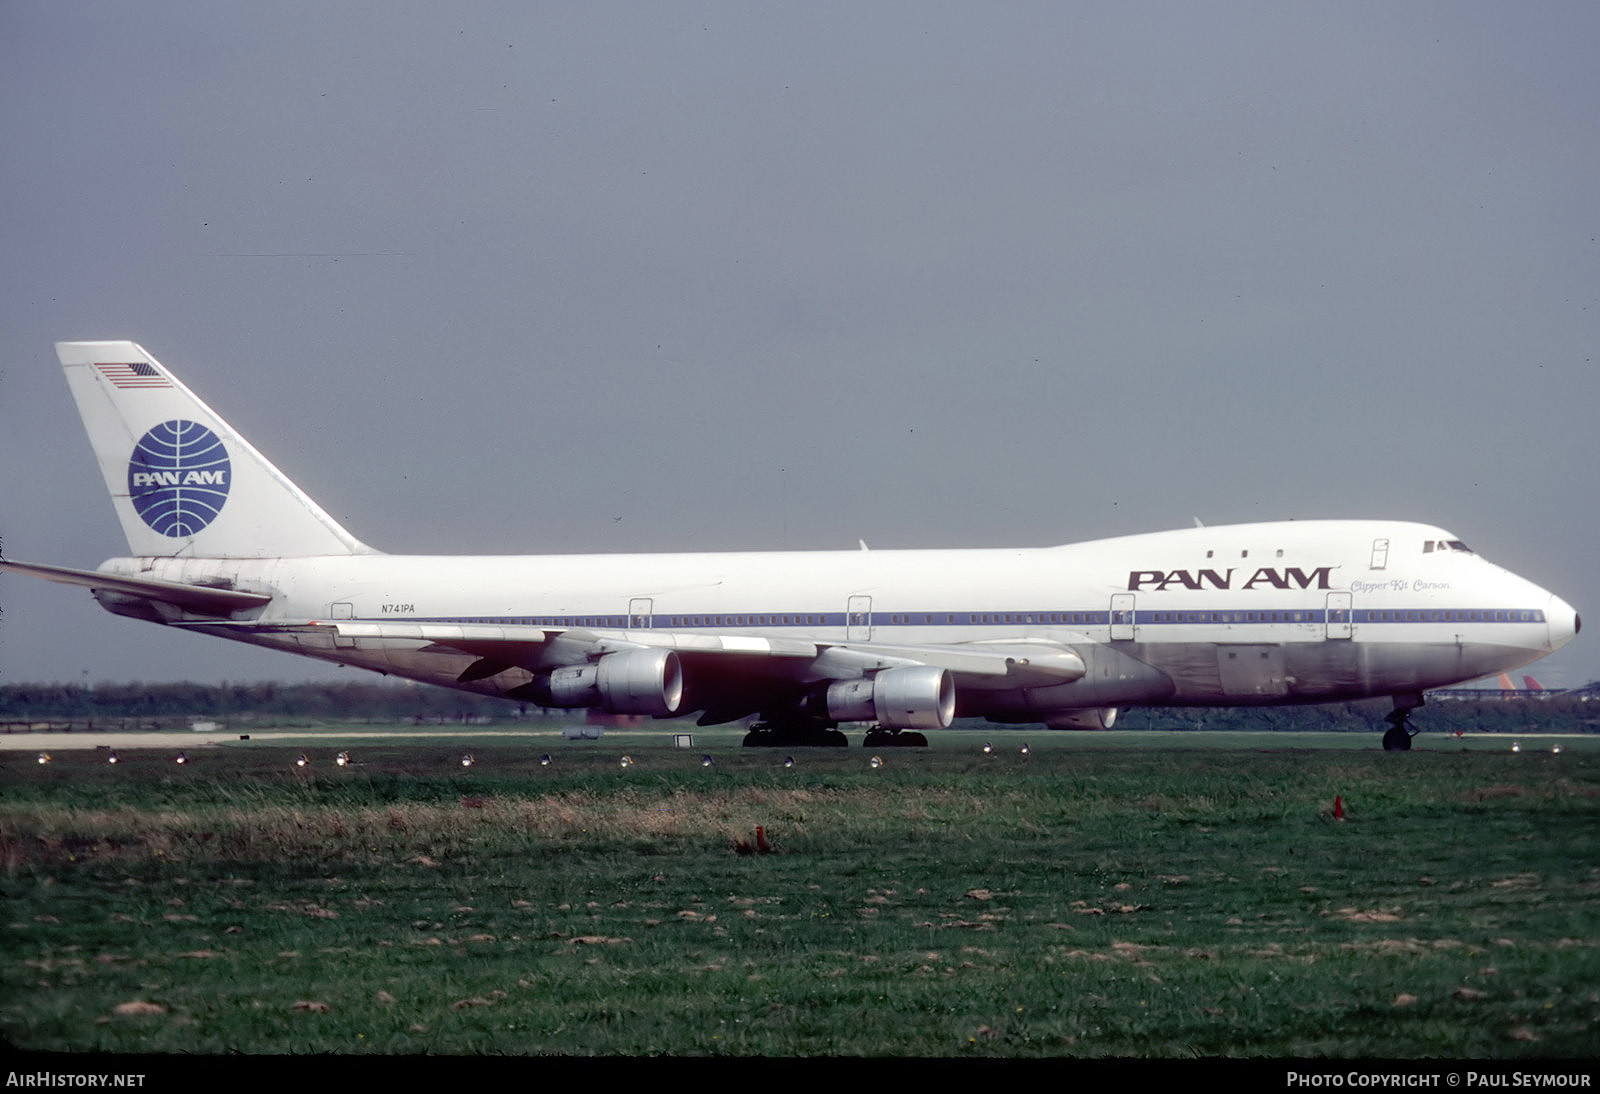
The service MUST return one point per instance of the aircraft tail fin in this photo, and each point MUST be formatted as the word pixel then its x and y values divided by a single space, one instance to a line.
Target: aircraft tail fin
pixel 184 482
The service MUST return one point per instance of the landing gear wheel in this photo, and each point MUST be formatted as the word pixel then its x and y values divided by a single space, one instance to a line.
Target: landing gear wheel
pixel 1398 738
pixel 780 735
pixel 878 737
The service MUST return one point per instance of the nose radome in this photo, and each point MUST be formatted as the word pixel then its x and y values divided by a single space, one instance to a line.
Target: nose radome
pixel 1563 621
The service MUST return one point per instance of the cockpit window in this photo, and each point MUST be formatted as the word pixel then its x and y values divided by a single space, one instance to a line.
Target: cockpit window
pixel 1431 545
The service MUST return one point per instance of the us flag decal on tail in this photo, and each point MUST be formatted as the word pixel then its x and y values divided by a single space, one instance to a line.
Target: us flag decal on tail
pixel 137 374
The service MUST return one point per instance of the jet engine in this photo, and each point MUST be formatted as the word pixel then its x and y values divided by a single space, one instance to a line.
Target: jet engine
pixel 629 682
pixel 917 697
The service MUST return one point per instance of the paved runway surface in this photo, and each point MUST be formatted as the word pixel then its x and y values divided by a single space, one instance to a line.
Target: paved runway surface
pixel 63 742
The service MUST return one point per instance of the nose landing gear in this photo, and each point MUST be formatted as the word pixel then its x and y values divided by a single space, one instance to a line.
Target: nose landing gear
pixel 1398 737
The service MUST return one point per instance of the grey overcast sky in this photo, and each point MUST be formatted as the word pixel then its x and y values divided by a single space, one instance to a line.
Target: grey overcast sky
pixel 507 277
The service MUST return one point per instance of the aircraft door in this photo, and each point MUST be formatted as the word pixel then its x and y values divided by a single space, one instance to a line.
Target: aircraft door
pixel 858 619
pixel 640 609
pixel 1122 616
pixel 342 609
pixel 1339 616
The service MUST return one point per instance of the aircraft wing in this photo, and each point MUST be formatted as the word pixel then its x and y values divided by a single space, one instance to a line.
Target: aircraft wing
pixel 200 599
pixel 1021 663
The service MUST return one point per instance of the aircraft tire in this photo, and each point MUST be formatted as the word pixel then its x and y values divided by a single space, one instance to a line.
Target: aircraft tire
pixel 878 737
pixel 765 737
pixel 1397 740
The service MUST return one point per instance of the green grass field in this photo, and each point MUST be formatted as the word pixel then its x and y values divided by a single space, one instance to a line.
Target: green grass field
pixel 1129 894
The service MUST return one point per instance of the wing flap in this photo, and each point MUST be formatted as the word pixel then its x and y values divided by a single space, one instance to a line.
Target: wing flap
pixel 1016 664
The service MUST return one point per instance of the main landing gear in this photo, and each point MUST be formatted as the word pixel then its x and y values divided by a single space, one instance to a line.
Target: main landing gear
pixel 816 733
pixel 795 733
pixel 879 737
pixel 1398 738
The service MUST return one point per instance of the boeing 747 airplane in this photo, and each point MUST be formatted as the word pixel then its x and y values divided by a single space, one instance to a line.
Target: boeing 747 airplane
pixel 222 543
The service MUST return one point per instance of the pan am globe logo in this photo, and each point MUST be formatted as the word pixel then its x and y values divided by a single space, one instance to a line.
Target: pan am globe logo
pixel 178 477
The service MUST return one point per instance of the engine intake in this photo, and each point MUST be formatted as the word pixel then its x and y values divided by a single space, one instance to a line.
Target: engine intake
pixel 630 682
pixel 917 697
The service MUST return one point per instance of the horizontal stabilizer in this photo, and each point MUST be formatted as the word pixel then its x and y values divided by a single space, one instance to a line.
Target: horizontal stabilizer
pixel 199 599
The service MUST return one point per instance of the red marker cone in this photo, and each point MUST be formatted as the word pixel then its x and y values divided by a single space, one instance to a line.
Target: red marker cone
pixel 761 840
pixel 1338 807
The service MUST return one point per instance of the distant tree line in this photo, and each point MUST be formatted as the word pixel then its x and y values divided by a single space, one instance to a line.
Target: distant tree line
pixel 1556 713
pixel 356 701
pixel 389 703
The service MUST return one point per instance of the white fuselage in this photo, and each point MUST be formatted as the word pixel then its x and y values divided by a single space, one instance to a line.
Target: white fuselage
pixel 1261 613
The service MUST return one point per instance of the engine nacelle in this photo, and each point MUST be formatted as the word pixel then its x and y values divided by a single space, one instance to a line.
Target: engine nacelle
pixel 917 697
pixel 629 682
pixel 1099 718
